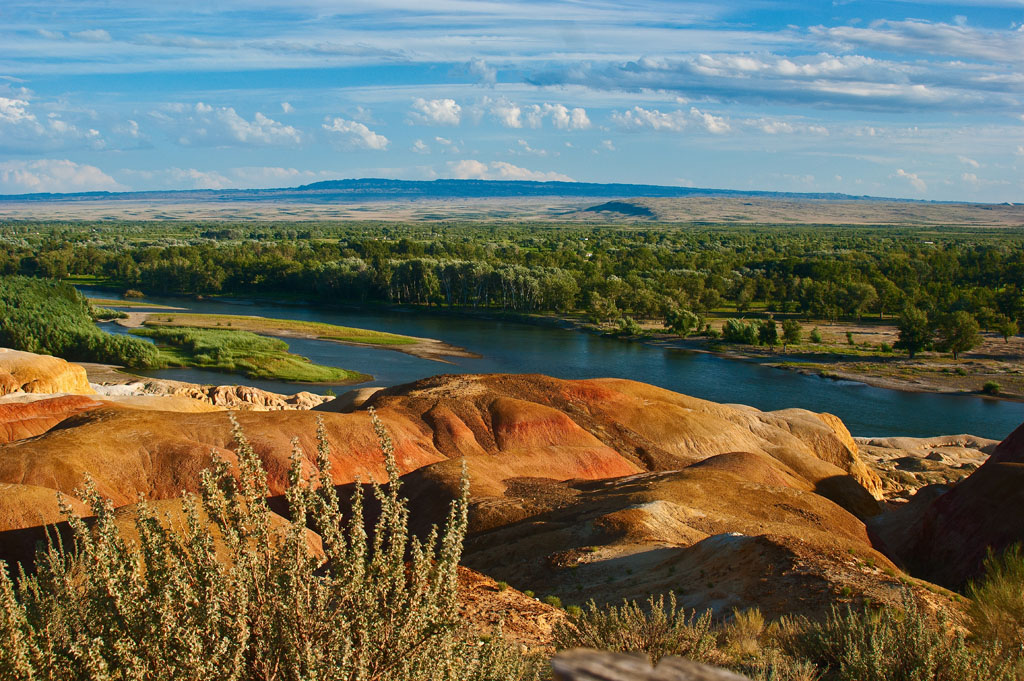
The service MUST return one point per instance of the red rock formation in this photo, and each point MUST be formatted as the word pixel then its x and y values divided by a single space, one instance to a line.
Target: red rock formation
pixel 952 537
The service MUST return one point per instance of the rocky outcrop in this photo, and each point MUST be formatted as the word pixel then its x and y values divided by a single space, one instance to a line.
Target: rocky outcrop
pixel 233 397
pixel 26 372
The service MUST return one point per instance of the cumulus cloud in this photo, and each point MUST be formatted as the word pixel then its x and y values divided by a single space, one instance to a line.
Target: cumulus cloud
pixel 561 116
pixel 486 75
pixel 286 107
pixel 51 175
pixel 506 112
pixel 716 125
pixel 780 126
pixel 565 118
pixel 469 169
pixel 419 147
pixel 355 134
pixel 968 161
pixel 22 130
pixel 915 181
pixel 639 118
pixel 204 124
pixel 436 111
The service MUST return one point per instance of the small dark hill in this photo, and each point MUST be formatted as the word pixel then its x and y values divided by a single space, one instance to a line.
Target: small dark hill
pixel 626 208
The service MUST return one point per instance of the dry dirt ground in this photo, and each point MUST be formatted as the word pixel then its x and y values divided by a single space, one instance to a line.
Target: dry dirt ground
pixel 694 209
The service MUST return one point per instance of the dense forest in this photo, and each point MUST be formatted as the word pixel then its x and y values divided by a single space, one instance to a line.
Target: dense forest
pixel 608 272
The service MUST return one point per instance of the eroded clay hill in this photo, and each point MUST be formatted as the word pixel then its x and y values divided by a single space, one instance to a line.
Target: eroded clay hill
pixel 600 488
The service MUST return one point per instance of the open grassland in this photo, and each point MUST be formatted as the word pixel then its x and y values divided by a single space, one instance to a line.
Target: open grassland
pixel 241 352
pixel 280 327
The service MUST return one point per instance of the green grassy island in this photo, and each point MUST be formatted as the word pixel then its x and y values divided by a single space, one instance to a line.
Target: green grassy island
pixel 243 352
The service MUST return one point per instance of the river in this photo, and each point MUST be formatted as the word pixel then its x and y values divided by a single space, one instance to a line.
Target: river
pixel 509 347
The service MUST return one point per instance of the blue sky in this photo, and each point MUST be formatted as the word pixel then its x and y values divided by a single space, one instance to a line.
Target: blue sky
pixel 907 99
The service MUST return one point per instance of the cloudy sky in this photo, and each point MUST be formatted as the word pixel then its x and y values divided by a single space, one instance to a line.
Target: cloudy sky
pixel 908 99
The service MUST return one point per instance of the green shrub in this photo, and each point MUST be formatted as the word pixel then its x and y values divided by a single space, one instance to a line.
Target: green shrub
pixel 997 599
pixel 740 331
pixel 227 594
pixel 553 601
pixel 659 629
pixel 815 335
pixel 991 388
pixel 629 327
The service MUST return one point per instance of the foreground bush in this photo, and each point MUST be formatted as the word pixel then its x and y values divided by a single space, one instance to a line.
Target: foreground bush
pixel 230 595
pixel 997 600
pixel 849 645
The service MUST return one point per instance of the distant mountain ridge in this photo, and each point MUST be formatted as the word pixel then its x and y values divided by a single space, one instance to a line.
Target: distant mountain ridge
pixel 378 189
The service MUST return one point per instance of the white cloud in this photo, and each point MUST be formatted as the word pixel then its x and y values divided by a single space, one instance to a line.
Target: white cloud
pixel 525 148
pixel 916 36
pixel 449 146
pixel 15 111
pixel 203 124
pixel 356 134
pixel 21 129
pixel 436 111
pixel 970 178
pixel 1020 149
pixel 915 181
pixel 51 175
pixel 419 147
pixel 130 128
pixel 565 118
pixel 487 75
pixel 716 125
pixel 93 36
pixel 469 169
pixel 779 126
pixel 562 117
pixel 639 118
pixel 968 161
pixel 286 107
pixel 506 112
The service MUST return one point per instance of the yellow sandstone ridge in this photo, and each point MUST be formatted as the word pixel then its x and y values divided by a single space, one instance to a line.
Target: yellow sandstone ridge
pixel 26 372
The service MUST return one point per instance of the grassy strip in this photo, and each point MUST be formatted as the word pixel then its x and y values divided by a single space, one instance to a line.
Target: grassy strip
pixel 113 302
pixel 241 352
pixel 280 327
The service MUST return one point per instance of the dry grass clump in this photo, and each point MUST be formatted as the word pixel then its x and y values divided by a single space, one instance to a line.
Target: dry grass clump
pixel 230 596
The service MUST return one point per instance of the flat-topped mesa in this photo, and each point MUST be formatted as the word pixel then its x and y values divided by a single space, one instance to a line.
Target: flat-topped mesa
pixel 26 372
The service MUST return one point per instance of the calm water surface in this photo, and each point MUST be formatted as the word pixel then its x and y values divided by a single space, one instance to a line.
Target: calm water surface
pixel 521 348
